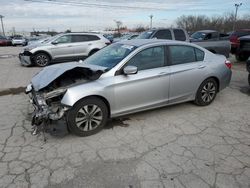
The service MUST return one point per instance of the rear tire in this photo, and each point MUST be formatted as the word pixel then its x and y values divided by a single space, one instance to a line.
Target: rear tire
pixel 87 117
pixel 206 92
pixel 41 59
pixel 249 79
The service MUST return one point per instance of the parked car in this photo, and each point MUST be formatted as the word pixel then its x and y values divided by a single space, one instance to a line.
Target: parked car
pixel 234 38
pixel 165 33
pixel 248 69
pixel 19 41
pixel 62 47
pixel 243 51
pixel 4 41
pixel 123 78
pixel 217 47
pixel 126 37
pixel 213 41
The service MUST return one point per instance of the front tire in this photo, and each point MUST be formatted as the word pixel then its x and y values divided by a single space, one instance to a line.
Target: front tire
pixel 87 117
pixel 41 59
pixel 206 92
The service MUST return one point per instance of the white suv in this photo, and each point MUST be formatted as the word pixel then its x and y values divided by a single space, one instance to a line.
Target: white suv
pixel 63 47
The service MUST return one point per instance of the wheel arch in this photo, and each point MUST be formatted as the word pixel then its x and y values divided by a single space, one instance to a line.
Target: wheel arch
pixel 42 51
pixel 93 50
pixel 99 97
pixel 217 81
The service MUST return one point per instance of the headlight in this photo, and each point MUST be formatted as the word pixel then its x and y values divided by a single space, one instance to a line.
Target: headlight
pixel 28 88
pixel 54 93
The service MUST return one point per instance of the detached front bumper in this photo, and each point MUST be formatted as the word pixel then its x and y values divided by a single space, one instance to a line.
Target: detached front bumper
pixel 25 58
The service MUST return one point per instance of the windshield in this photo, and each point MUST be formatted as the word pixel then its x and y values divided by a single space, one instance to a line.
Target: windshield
pixel 145 35
pixel 198 35
pixel 110 56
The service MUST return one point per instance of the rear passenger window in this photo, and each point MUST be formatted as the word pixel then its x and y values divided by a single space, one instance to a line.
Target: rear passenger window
pixel 182 54
pixel 163 34
pixel 92 37
pixel 84 38
pixel 179 35
pixel 199 54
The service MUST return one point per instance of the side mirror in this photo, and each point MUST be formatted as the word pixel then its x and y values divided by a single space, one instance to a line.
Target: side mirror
pixel 130 70
pixel 54 42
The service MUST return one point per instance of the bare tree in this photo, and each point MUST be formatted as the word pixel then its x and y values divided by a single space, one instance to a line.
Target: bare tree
pixel 221 23
pixel 118 25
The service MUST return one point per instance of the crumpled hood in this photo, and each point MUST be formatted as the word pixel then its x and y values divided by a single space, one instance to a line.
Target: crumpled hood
pixel 50 73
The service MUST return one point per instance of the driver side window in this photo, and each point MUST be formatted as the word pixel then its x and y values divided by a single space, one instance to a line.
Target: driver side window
pixel 64 39
pixel 149 58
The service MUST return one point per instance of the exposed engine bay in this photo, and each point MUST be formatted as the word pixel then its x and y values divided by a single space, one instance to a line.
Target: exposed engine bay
pixel 46 93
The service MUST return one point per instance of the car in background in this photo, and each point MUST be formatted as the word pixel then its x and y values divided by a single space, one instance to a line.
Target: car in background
pixel 243 51
pixel 213 41
pixel 217 47
pixel 126 37
pixel 123 78
pixel 248 69
pixel 165 33
pixel 19 40
pixel 63 47
pixel 234 38
pixel 4 41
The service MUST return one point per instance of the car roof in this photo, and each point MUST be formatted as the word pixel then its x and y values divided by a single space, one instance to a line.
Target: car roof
pixel 142 42
pixel 207 31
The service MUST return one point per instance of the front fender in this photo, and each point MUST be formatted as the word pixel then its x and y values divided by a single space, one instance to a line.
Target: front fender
pixel 74 94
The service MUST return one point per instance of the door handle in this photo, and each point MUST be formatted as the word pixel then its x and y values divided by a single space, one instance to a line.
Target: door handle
pixel 69 46
pixel 90 44
pixel 201 67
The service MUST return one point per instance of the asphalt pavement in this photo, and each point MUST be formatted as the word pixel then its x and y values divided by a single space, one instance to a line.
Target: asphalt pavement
pixel 180 146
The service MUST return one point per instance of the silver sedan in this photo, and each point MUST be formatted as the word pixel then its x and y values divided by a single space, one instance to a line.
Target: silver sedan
pixel 123 78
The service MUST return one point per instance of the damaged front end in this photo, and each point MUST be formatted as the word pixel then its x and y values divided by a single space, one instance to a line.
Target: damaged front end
pixel 48 87
pixel 47 108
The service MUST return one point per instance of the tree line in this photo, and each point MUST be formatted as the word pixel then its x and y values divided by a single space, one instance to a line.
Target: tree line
pixel 221 23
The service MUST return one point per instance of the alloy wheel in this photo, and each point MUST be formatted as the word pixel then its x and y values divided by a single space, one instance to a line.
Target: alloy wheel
pixel 42 60
pixel 89 117
pixel 208 92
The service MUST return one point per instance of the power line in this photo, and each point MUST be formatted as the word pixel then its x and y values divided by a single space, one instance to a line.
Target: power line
pixel 84 4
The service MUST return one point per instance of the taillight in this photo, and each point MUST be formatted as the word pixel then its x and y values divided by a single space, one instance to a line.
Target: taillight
pixel 107 43
pixel 228 64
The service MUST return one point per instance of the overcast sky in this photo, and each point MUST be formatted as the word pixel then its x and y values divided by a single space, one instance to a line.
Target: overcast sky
pixel 26 15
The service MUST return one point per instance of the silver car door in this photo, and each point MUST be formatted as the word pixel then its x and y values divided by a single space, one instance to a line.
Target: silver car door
pixel 81 45
pixel 187 72
pixel 148 88
pixel 63 47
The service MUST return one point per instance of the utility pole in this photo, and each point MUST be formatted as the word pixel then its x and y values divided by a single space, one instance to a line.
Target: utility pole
pixel 151 19
pixel 1 17
pixel 235 16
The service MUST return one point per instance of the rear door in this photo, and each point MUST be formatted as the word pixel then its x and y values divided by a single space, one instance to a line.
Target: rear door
pixel 149 87
pixel 82 44
pixel 187 72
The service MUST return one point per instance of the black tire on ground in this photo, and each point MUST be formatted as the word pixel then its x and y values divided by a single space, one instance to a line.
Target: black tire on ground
pixel 206 92
pixel 248 66
pixel 87 117
pixel 41 59
pixel 241 57
pixel 249 79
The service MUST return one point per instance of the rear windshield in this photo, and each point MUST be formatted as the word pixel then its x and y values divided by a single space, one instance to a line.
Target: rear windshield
pixel 241 33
